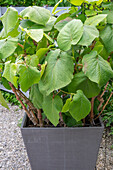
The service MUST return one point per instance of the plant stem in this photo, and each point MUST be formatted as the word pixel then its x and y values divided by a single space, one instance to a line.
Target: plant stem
pixel 104 90
pixel 104 106
pixel 92 106
pixel 31 114
pixel 67 92
pixel 40 118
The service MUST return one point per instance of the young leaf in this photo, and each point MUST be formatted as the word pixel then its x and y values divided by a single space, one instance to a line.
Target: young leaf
pixel 26 75
pixel 8 43
pixel 10 73
pixel 80 106
pixel 96 68
pixel 89 34
pixel 95 19
pixel 70 34
pixel 58 73
pixel 36 96
pixel 2 101
pixel 36 14
pixel 66 105
pixel 52 107
pixel 7 20
pixel 82 82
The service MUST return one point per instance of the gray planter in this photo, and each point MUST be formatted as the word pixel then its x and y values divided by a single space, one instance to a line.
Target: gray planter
pixel 62 148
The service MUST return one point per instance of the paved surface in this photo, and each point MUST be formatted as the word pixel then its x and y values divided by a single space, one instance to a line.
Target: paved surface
pixel 13 155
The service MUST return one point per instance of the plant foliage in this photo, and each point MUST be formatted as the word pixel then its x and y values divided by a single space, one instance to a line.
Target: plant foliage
pixel 64 61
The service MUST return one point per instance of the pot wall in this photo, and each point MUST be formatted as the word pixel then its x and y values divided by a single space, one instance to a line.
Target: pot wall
pixel 62 148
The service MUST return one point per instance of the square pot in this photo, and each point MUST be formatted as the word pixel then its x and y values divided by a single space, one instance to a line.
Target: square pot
pixel 63 148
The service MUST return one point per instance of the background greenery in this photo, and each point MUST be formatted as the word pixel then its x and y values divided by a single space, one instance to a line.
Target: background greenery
pixel 32 2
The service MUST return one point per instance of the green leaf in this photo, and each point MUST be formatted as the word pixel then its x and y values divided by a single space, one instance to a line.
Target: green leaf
pixel 2 101
pixel 62 17
pixel 10 73
pixel 66 105
pixel 70 121
pixel 36 96
pixel 36 14
pixel 107 38
pixel 52 107
pixel 98 47
pixel 5 83
pixel 32 60
pixel 7 47
pixel 80 106
pixel 110 17
pixel 76 2
pixel 95 19
pixel 58 73
pixel 9 20
pixel 90 12
pixel 26 75
pixel 43 66
pixel 35 34
pixel 55 7
pixel 41 53
pixel 81 82
pixel 60 25
pixel 32 25
pixel 96 68
pixel 89 34
pixel 70 34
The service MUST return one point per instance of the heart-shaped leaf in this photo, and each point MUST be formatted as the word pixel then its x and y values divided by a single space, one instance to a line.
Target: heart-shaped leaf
pixel 70 34
pixel 58 73
pixel 96 68
pixel 8 43
pixel 80 106
pixel 36 14
pixel 26 75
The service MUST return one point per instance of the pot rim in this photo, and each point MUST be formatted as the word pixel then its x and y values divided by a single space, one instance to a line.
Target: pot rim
pixel 23 125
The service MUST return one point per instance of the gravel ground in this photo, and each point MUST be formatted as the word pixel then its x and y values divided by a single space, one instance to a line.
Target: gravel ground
pixel 13 155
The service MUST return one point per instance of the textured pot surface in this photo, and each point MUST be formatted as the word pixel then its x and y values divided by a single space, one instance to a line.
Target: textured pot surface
pixel 62 148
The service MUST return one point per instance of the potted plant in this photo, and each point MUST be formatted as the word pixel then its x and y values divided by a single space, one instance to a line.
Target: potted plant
pixel 64 62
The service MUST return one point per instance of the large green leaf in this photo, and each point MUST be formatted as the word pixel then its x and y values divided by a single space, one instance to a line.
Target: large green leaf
pixel 10 73
pixel 76 2
pixel 95 19
pixel 82 82
pixel 36 14
pixel 36 96
pixel 96 68
pixel 70 34
pixel 89 34
pixel 28 76
pixel 9 20
pixel 80 106
pixel 60 25
pixel 35 34
pixel 32 25
pixel 7 47
pixel 52 107
pixel 107 38
pixel 58 73
pixel 2 101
